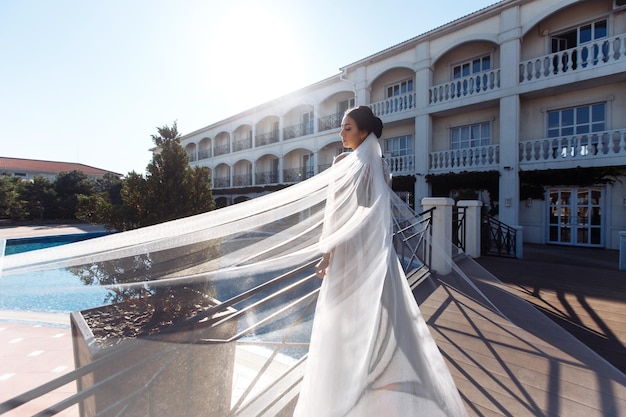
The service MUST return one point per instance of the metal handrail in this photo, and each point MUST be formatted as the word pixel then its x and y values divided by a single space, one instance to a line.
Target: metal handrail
pixel 498 238
pixel 410 241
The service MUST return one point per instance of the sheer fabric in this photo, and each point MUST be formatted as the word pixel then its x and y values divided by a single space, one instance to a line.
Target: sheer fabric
pixel 371 353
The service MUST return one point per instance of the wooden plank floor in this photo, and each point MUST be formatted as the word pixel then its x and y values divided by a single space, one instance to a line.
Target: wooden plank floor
pixel 581 289
pixel 508 359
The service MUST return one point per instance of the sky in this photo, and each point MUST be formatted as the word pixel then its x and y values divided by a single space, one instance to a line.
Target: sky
pixel 91 81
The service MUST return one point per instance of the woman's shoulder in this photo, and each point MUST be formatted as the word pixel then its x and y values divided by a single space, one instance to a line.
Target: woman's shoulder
pixel 340 157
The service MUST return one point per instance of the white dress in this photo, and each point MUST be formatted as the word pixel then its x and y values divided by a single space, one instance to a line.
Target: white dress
pixel 371 353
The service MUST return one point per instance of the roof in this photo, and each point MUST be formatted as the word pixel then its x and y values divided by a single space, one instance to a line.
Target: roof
pixel 35 165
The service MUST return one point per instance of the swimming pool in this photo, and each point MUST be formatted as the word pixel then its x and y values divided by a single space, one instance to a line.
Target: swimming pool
pixel 53 291
pixel 26 244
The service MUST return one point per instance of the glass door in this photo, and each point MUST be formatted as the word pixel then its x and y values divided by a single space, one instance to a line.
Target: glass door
pixel 575 216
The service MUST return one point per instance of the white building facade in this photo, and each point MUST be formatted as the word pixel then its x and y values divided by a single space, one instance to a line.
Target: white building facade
pixel 521 104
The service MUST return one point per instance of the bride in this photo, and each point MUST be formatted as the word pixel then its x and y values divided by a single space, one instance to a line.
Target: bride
pixel 371 353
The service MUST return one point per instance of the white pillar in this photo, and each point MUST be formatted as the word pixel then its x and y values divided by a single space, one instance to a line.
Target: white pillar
pixel 472 226
pixel 441 246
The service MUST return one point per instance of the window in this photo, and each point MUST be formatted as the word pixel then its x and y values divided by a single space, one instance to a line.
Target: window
pixel 400 88
pixel 580 35
pixel 472 67
pixel 581 122
pixel 399 146
pixel 470 136
pixel 577 120
pixel 342 106
pixel 307 123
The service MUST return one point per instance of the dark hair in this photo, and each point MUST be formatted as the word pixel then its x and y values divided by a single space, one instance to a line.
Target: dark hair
pixel 366 120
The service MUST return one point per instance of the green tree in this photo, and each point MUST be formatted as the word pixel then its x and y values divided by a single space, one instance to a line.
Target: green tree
pixel 68 186
pixel 41 198
pixel 170 190
pixel 12 203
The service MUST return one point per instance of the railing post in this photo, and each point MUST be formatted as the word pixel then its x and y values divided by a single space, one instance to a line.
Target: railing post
pixel 441 232
pixel 622 251
pixel 519 242
pixel 472 226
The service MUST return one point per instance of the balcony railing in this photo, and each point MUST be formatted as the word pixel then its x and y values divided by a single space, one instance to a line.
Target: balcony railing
pixel 267 177
pixel 401 164
pixel 463 159
pixel 266 138
pixel 297 174
pixel 600 145
pixel 392 105
pixel 242 180
pixel 298 130
pixel 204 153
pixel 221 182
pixel 465 87
pixel 587 56
pixel 192 156
pixel 242 144
pixel 330 122
pixel 222 149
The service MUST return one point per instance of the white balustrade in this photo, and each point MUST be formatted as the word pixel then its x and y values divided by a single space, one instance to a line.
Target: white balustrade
pixel 598 145
pixel 456 160
pixel 396 104
pixel 465 87
pixel 401 164
pixel 590 55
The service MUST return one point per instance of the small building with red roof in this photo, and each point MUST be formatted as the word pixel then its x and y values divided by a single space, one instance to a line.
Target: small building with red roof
pixel 30 168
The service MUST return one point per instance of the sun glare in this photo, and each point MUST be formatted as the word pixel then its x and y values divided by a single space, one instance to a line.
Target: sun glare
pixel 253 52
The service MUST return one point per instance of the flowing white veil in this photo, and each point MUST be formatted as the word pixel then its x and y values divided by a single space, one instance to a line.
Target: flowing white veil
pixel 370 345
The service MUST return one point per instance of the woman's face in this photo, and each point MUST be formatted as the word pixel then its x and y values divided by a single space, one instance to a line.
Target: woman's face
pixel 351 136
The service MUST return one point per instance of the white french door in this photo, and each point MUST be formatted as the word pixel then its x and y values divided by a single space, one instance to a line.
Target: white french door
pixel 575 216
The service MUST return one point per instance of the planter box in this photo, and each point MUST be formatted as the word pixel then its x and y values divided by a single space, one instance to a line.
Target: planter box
pixel 162 375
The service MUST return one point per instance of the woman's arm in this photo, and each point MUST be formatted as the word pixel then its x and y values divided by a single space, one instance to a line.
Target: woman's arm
pixel 320 268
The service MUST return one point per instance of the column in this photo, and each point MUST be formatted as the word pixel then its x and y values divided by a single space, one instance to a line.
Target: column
pixel 441 224
pixel 422 140
pixel 510 53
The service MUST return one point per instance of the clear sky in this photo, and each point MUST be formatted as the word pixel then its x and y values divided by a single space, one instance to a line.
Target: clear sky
pixel 90 81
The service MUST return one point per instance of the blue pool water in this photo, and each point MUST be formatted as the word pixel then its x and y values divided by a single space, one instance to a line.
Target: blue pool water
pixel 47 291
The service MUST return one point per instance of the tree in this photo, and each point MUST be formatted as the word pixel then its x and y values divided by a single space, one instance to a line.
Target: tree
pixel 170 190
pixel 41 198
pixel 68 186
pixel 12 203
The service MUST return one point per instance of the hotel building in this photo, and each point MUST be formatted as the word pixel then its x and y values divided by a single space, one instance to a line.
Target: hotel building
pixel 521 105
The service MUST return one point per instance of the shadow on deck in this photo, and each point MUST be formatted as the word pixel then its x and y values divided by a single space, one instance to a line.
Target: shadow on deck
pixel 507 358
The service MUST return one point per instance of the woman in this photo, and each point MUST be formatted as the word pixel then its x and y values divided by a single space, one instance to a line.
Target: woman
pixel 371 353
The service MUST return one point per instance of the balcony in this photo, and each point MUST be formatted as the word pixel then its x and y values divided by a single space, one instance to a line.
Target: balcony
pixel 465 87
pixel 575 149
pixel 393 105
pixel 222 149
pixel 401 165
pixel 240 145
pixel 267 177
pixel 221 182
pixel 330 122
pixel 467 159
pixel 584 57
pixel 266 138
pixel 297 174
pixel 204 153
pixel 242 180
pixel 298 130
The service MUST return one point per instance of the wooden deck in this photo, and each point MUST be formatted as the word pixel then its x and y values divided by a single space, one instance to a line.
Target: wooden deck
pixel 508 358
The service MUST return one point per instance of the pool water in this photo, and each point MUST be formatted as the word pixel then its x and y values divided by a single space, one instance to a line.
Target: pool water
pixel 57 291
pixel 41 242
